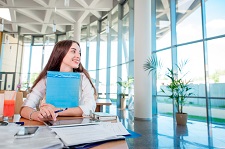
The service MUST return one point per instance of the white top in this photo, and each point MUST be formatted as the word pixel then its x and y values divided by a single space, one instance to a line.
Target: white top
pixel 86 97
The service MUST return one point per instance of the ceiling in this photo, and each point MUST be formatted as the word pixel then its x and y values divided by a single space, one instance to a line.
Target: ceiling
pixel 37 17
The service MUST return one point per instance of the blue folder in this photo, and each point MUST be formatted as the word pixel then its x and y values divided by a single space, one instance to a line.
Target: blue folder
pixel 62 89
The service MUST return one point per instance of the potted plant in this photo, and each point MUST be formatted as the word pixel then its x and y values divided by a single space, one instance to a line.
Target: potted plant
pixel 125 85
pixel 179 88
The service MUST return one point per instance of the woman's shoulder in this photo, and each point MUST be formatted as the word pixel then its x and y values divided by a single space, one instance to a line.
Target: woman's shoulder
pixel 83 76
pixel 42 81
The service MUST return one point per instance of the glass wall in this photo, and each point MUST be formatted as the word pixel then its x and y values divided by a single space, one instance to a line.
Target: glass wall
pixel 92 49
pixel 36 58
pixel 198 35
pixel 215 20
pixel 25 62
pixel 125 47
pixel 48 47
pixel 114 51
pixel 163 31
pixel 83 44
pixel 216 54
pixel 188 24
pixel 203 50
pixel 103 63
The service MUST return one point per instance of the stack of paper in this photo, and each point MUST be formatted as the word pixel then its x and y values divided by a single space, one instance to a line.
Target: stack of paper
pixel 85 134
pixel 44 138
pixel 104 116
pixel 117 128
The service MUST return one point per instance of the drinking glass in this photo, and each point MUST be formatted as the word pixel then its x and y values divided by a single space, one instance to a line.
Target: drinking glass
pixel 9 104
pixel 1 105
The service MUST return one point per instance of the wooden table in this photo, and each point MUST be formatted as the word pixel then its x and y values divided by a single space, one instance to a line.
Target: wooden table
pixel 100 103
pixel 121 144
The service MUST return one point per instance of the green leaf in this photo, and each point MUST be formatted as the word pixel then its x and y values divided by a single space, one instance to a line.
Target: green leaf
pixel 152 64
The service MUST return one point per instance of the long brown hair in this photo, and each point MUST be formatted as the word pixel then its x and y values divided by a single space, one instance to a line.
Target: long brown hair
pixel 59 51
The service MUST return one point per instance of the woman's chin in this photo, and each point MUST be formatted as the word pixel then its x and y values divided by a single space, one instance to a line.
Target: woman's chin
pixel 76 66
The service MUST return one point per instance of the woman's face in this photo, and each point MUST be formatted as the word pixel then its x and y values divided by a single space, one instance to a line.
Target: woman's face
pixel 71 59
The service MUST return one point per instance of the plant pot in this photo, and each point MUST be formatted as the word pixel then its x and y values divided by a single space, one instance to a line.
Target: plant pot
pixel 181 130
pixel 123 103
pixel 181 118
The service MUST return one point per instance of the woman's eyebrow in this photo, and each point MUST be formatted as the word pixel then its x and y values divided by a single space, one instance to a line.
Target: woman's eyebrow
pixel 75 49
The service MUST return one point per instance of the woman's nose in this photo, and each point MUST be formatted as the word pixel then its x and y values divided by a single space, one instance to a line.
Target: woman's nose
pixel 77 54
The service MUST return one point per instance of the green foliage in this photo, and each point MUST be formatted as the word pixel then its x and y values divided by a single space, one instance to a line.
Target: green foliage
pixel 152 64
pixel 126 84
pixel 216 75
pixel 178 87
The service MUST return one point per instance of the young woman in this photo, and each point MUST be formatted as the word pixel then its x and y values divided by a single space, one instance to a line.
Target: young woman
pixel 65 57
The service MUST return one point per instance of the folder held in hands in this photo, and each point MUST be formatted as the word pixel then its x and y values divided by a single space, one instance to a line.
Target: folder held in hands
pixel 62 89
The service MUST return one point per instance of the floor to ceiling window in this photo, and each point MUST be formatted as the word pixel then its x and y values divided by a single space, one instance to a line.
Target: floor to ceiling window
pixel 125 43
pixel 215 29
pixel 36 58
pixel 83 43
pixel 114 51
pixel 49 42
pixel 103 57
pixel 92 48
pixel 198 50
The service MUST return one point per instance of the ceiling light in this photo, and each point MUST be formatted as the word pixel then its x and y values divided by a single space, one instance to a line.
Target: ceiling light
pixel 54 27
pixel 5 14
pixel 66 3
pixel 2 26
pixel 107 27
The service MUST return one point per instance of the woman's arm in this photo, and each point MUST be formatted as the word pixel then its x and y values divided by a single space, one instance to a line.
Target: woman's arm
pixel 46 113
pixel 87 101
pixel 71 112
pixel 32 102
pixel 29 113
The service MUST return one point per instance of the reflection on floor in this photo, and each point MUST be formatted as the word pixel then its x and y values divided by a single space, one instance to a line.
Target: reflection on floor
pixel 161 132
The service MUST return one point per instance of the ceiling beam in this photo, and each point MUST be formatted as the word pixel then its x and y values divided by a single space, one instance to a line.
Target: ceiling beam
pixel 58 8
pixel 13 15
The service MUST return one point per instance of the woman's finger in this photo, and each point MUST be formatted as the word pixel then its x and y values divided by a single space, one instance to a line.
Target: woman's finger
pixel 48 112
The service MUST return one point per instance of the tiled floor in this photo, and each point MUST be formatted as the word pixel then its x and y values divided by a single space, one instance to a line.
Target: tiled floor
pixel 162 133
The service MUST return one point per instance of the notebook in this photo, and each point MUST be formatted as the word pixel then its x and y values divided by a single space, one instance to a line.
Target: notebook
pixel 62 89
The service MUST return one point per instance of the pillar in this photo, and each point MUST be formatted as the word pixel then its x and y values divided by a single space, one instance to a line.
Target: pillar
pixel 142 45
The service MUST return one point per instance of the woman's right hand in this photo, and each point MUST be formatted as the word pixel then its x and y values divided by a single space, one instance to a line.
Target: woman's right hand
pixel 47 112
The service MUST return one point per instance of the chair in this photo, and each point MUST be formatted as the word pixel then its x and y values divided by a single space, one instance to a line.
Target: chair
pixel 19 102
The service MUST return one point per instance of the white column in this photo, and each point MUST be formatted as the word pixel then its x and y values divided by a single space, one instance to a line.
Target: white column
pixel 77 31
pixel 142 50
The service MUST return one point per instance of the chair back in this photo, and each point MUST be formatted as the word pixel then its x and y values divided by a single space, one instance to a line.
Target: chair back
pixel 19 102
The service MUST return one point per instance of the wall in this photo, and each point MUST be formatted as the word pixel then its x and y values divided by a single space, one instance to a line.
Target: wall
pixel 11 56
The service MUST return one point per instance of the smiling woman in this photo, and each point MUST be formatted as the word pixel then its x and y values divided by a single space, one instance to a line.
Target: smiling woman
pixel 65 57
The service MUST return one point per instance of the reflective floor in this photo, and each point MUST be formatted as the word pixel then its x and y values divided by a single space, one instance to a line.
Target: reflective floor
pixel 161 132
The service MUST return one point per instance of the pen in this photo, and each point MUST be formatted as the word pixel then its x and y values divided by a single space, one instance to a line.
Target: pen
pixel 19 123
pixel 57 111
